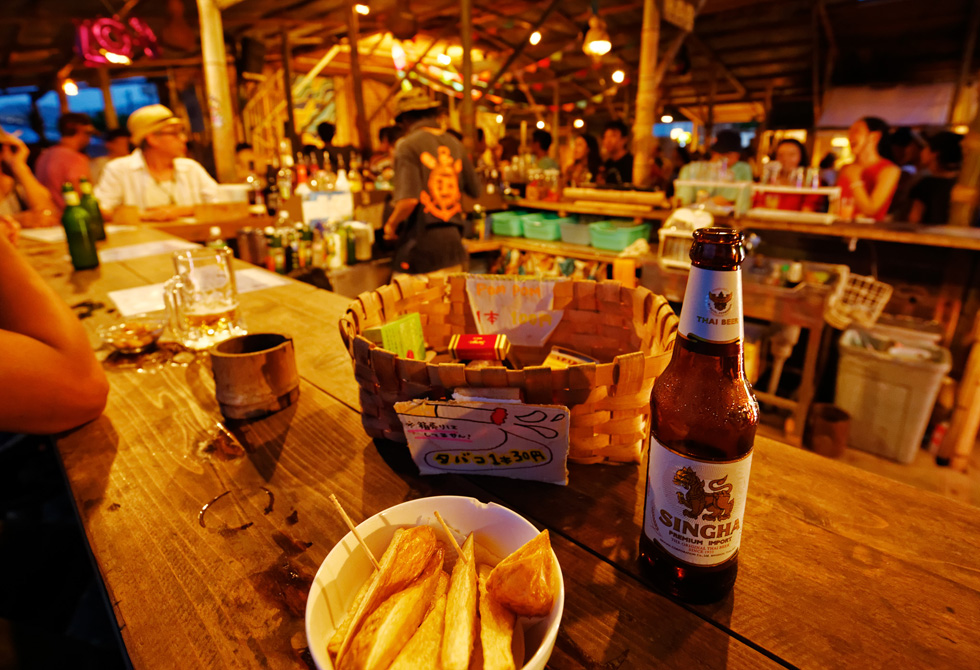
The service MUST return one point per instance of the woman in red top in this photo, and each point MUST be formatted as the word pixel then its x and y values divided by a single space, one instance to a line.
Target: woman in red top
pixel 871 179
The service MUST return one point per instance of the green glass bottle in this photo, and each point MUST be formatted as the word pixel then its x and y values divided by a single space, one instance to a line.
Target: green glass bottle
pixel 91 205
pixel 75 219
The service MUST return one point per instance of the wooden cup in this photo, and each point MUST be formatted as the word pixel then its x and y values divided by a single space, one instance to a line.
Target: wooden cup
pixel 828 430
pixel 255 375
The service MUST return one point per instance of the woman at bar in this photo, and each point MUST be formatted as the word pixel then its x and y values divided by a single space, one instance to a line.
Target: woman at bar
pixel 791 156
pixel 20 191
pixel 870 181
pixel 585 161
pixel 930 196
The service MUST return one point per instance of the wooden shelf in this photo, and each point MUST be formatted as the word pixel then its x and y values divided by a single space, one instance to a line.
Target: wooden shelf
pixel 556 248
pixel 597 209
pixel 950 237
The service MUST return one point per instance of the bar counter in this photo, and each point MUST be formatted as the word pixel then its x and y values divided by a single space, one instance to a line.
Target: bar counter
pixel 839 567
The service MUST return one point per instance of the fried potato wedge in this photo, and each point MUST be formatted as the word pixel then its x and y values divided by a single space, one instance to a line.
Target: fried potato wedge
pixel 407 555
pixel 457 643
pixel 526 582
pixel 423 651
pixel 496 627
pixel 387 630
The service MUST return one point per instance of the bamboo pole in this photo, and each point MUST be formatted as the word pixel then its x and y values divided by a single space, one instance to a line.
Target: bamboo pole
pixel 468 118
pixel 556 121
pixel 964 200
pixel 709 127
pixel 318 68
pixel 111 118
pixel 968 48
pixel 287 87
pixel 646 96
pixel 59 89
pixel 363 134
pixel 218 91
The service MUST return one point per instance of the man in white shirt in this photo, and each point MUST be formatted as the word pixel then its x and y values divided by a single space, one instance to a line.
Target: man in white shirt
pixel 156 178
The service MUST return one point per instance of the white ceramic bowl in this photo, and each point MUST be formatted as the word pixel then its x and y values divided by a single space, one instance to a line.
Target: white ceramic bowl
pixel 347 567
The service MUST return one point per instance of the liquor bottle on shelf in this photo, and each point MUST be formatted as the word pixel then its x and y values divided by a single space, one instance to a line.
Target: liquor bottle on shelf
pixel 302 176
pixel 271 191
pixel 703 423
pixel 91 205
pixel 284 181
pixel 342 183
pixel 215 240
pixel 75 220
pixel 276 260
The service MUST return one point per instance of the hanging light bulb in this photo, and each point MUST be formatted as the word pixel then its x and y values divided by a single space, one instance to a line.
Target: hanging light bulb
pixel 398 55
pixel 69 87
pixel 596 42
pixel 114 58
pixel 540 125
pixel 363 10
pixel 535 37
pixel 619 76
pixel 500 118
pixel 578 123
pixel 666 118
pixel 444 59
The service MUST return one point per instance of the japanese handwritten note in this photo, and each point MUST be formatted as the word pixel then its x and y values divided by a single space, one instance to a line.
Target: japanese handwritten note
pixel 520 308
pixel 501 440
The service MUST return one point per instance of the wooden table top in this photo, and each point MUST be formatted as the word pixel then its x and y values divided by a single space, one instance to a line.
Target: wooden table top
pixel 839 567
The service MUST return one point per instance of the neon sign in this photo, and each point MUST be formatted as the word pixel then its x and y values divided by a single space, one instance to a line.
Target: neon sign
pixel 109 40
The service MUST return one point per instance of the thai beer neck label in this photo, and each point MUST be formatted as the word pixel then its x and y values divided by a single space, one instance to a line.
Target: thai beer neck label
pixel 712 308
pixel 694 508
pixel 71 198
pixel 85 187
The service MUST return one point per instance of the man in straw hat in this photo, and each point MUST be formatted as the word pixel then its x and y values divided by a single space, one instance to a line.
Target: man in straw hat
pixel 156 178
pixel 431 172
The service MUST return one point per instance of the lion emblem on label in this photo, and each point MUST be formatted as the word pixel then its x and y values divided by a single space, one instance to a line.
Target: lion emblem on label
pixel 716 504
pixel 719 301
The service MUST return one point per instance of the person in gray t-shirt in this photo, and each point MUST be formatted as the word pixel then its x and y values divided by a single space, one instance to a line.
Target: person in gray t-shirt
pixel 432 171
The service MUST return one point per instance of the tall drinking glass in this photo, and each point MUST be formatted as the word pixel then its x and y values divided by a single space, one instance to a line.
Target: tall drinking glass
pixel 202 298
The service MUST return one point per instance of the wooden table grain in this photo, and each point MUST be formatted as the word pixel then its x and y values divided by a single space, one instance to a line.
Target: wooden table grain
pixel 839 567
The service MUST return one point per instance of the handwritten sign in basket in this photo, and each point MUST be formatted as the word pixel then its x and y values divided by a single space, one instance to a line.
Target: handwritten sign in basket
pixel 520 308
pixel 497 439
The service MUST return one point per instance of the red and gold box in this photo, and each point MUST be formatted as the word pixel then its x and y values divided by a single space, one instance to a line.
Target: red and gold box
pixel 479 347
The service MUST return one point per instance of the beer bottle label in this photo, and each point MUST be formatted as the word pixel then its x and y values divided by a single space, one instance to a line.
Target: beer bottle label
pixel 712 309
pixel 695 508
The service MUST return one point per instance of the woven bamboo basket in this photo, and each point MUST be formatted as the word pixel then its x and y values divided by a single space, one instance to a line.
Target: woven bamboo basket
pixel 609 402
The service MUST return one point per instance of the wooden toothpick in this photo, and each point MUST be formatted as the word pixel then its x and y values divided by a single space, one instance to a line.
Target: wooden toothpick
pixel 353 529
pixel 452 538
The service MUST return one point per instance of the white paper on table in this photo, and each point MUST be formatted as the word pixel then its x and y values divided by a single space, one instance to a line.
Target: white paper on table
pixel 149 298
pixel 52 234
pixel 493 438
pixel 522 308
pixel 142 250
pixel 57 233
pixel 255 279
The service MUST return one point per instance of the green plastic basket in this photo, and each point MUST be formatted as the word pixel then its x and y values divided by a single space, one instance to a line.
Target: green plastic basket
pixel 616 236
pixel 509 224
pixel 542 229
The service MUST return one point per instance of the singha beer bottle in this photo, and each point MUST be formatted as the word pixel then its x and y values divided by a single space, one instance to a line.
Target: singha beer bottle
pixel 91 205
pixel 81 244
pixel 703 425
